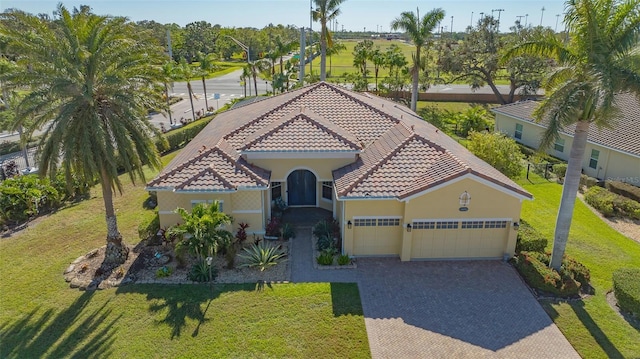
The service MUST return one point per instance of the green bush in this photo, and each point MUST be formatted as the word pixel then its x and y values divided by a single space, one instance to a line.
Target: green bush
pixel 535 270
pixel 624 189
pixel 149 225
pixel 499 151
pixel 587 181
pixel 325 242
pixel 529 239
pixel 560 170
pixel 164 271
pixel 178 138
pixel 626 287
pixel 344 259
pixel 202 272
pixel 262 255
pixel 325 258
pixel 23 197
pixel 610 204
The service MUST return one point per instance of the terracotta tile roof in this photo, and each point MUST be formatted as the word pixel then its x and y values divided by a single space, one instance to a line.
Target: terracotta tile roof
pixel 401 154
pixel 623 136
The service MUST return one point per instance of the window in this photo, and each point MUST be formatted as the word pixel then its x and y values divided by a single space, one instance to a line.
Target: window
pixel 423 225
pixel 276 190
pixel 518 133
pixel 387 222
pixel 559 145
pixel 364 222
pixel 327 190
pixel 495 224
pixel 447 225
pixel 593 161
pixel 472 224
pixel 207 201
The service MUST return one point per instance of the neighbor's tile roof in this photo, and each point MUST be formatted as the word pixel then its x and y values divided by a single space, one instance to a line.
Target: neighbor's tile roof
pixel 399 153
pixel 624 135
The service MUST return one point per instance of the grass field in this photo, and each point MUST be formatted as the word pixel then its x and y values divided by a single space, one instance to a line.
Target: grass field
pixel 590 325
pixel 41 317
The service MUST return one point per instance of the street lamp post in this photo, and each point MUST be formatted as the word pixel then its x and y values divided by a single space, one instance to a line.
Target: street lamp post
pixel 471 23
pixel 499 12
pixel 557 18
pixel 451 26
pixel 541 15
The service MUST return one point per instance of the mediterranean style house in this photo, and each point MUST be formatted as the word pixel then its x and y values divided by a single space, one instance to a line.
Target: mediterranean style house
pixel 611 153
pixel 396 185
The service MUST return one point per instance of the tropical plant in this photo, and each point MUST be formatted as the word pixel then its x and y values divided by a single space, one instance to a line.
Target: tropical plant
pixel 202 230
pixel 187 72
pixel 326 10
pixel 361 53
pixel 202 271
pixel 91 80
pixel 262 255
pixel 599 60
pixel 325 258
pixel 499 151
pixel 206 65
pixel 170 73
pixel 288 231
pixel 377 57
pixel 343 259
pixel 419 31
pixel 334 50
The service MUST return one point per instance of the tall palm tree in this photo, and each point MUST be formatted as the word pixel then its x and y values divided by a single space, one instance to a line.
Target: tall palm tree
pixel 334 50
pixel 206 65
pixel 326 10
pixel 419 31
pixel 169 73
pixel 597 62
pixel 283 48
pixel 187 72
pixel 91 80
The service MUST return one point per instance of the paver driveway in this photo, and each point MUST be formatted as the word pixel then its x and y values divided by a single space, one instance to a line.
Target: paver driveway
pixel 443 309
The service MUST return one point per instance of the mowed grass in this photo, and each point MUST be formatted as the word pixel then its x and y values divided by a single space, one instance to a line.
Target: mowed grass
pixel 591 326
pixel 41 317
pixel 342 63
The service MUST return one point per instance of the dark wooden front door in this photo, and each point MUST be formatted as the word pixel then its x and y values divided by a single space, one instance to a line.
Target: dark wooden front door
pixel 301 188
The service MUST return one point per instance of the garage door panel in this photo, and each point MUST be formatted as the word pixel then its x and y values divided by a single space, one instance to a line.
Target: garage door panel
pixel 377 236
pixel 457 238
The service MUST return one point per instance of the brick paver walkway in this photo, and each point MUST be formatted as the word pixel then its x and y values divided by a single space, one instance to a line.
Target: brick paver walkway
pixel 442 309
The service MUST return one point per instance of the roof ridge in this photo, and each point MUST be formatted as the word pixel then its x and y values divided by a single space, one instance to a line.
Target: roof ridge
pixel 327 125
pixel 180 167
pixel 202 172
pixel 381 161
pixel 247 171
pixel 355 99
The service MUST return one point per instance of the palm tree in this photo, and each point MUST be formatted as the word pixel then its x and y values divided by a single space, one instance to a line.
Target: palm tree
pixel 169 73
pixel 207 64
pixel 91 80
pixel 334 50
pixel 597 62
pixel 283 48
pixel 419 31
pixel 326 10
pixel 378 59
pixel 187 72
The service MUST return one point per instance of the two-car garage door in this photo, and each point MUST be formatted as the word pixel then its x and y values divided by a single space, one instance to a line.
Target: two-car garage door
pixel 459 238
pixel 432 238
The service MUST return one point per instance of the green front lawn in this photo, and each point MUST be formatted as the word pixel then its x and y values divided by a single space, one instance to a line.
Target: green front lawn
pixel 41 317
pixel 592 327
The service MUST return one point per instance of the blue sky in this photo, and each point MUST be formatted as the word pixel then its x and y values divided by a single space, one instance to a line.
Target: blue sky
pixel 374 15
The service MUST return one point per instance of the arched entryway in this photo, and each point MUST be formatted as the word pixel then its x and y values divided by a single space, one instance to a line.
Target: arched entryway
pixel 301 188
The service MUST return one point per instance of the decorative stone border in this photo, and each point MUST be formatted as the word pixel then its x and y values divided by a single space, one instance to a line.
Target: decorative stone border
pixel 315 254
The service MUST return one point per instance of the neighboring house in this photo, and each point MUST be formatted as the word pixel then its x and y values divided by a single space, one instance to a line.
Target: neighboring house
pixel 611 153
pixel 396 184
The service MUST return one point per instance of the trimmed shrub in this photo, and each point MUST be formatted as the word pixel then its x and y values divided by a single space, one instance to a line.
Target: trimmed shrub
pixel 325 258
pixel 624 189
pixel 587 181
pixel 626 207
pixel 23 197
pixel 529 239
pixel 534 268
pixel 560 170
pixel 178 138
pixel 626 287
pixel 600 199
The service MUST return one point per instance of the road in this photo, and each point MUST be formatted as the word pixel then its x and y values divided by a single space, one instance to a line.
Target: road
pixel 229 88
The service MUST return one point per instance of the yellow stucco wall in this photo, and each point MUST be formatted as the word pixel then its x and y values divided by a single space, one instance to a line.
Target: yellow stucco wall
pixel 322 168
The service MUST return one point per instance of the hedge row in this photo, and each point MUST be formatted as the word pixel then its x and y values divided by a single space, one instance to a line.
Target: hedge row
pixel 534 268
pixel 624 189
pixel 626 287
pixel 178 138
pixel 587 181
pixel 529 239
pixel 611 204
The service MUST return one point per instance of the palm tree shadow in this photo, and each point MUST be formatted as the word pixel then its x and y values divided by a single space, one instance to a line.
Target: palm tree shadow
pixel 595 331
pixel 181 302
pixel 35 334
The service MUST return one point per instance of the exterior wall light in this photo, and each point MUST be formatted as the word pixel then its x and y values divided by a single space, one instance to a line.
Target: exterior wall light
pixel 516 225
pixel 408 227
pixel 349 224
pixel 465 199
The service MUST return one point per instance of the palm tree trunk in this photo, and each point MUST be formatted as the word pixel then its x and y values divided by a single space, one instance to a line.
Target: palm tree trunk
pixel 323 52
pixel 415 80
pixel 569 192
pixel 166 92
pixel 193 111
pixel 206 102
pixel 255 82
pixel 116 252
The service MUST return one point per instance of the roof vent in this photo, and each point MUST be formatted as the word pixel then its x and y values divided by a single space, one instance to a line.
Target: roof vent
pixel 412 127
pixel 204 148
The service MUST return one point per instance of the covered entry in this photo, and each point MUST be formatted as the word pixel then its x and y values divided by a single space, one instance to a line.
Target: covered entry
pixel 301 188
pixel 459 238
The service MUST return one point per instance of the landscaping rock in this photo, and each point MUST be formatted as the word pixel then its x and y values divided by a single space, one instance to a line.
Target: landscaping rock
pixel 69 269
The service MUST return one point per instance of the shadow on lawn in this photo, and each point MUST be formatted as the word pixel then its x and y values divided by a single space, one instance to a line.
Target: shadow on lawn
pixel 182 301
pixel 345 299
pixel 593 328
pixel 35 334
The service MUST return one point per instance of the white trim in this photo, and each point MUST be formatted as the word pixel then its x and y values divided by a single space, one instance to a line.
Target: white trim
pixel 367 198
pixel 325 200
pixel 206 191
pixel 167 212
pixel 276 155
pixel 463 177
pixel 158 189
pixel 247 211
pixel 300 168
pixel 569 135
pixel 459 219
pixel 377 217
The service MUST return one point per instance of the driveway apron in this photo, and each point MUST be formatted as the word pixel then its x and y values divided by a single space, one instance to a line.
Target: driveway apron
pixel 442 309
